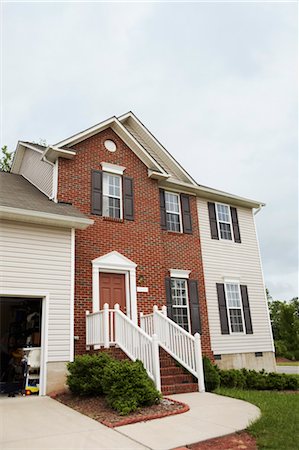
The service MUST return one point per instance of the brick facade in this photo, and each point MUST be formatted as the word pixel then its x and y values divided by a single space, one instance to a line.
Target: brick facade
pixel 143 241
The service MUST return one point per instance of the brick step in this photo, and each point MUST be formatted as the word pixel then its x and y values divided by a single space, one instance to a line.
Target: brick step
pixel 176 379
pixel 167 363
pixel 179 388
pixel 171 370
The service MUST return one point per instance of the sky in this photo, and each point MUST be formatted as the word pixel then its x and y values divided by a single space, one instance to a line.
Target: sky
pixel 216 83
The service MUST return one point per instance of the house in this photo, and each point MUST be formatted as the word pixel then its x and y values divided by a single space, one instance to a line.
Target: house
pixel 149 243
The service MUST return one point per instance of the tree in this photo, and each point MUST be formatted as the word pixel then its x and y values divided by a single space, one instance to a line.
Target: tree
pixel 6 159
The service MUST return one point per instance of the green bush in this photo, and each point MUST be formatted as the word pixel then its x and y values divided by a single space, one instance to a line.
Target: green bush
pixel 128 386
pixel 86 373
pixel 232 378
pixel 251 379
pixel 211 375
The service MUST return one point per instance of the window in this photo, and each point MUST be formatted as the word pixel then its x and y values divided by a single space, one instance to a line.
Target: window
pixel 234 307
pixel 173 212
pixel 180 304
pixel 224 221
pixel 112 196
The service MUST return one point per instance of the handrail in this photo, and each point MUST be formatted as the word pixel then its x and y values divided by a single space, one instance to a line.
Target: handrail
pixel 180 344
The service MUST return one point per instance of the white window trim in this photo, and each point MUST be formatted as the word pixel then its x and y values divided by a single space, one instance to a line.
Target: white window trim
pixel 120 198
pixel 230 222
pixel 115 262
pixel 112 168
pixel 45 296
pixel 177 273
pixel 187 306
pixel 171 212
pixel 237 282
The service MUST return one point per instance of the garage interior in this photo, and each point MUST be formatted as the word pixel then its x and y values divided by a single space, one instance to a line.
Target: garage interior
pixel 20 341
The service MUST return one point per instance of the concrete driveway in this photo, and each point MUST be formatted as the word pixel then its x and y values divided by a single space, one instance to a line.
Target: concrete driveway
pixel 43 423
pixel 288 369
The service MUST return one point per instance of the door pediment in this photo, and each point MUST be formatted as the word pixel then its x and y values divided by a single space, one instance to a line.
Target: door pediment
pixel 114 260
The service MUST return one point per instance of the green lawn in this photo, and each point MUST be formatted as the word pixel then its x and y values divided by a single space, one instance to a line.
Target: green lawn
pixel 278 427
pixel 289 363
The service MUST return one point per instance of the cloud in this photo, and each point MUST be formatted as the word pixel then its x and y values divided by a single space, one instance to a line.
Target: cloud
pixel 216 83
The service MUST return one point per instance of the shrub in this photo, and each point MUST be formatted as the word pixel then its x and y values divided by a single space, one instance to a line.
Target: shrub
pixel 86 373
pixel 292 382
pixel 128 386
pixel 211 374
pixel 232 378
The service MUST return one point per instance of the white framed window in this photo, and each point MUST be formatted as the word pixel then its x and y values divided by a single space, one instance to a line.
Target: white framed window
pixel 180 303
pixel 173 212
pixel 234 307
pixel 112 195
pixel 224 221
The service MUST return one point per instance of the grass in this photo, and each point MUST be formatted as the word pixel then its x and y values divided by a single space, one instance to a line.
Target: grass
pixel 288 363
pixel 277 429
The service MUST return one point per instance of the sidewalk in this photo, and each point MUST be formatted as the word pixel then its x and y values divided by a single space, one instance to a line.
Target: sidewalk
pixel 210 416
pixel 43 423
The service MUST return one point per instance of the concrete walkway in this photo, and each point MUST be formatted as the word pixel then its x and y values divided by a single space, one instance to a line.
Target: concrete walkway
pixel 210 415
pixel 288 369
pixel 42 423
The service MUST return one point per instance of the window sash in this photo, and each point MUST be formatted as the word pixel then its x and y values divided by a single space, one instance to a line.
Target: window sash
pixel 112 195
pixel 224 222
pixel 180 303
pixel 173 212
pixel 234 307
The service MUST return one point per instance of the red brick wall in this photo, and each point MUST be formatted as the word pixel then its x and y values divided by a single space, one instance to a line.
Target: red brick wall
pixel 143 241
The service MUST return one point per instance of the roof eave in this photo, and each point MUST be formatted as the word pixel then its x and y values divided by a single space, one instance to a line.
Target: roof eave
pixel 39 217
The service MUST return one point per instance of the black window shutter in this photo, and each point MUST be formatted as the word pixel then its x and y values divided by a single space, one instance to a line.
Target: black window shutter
pixel 186 214
pixel 246 309
pixel 194 306
pixel 128 198
pixel 235 223
pixel 213 220
pixel 162 209
pixel 168 298
pixel 96 192
pixel 222 308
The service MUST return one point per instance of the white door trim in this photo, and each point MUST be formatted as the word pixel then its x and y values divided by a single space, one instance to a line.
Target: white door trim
pixel 45 296
pixel 115 262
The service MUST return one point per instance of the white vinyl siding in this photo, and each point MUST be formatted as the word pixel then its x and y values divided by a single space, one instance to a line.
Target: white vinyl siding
pixel 228 260
pixel 35 257
pixel 38 172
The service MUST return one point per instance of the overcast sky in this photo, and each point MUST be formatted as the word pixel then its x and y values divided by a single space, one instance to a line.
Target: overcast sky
pixel 216 83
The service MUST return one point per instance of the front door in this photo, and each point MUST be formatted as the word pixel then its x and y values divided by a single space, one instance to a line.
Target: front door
pixel 113 290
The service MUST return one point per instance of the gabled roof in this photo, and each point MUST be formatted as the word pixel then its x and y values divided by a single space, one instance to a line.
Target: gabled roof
pixel 20 200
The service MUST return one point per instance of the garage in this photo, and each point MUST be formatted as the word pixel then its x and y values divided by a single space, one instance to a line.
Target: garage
pixel 21 345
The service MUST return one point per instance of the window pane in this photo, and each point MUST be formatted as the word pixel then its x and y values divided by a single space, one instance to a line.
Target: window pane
pixel 173 222
pixel 172 202
pixel 111 207
pixel 180 316
pixel 223 213
pixel 233 296
pixel 111 185
pixel 236 320
pixel 178 292
pixel 225 231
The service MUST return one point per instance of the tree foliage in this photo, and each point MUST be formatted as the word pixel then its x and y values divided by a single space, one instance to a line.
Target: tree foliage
pixel 285 326
pixel 6 159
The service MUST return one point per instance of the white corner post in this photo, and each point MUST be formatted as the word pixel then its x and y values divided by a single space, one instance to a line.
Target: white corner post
pixel 164 310
pixel 106 325
pixel 87 331
pixel 156 361
pixel 198 360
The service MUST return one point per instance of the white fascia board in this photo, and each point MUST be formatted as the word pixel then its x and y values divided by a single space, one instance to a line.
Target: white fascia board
pixel 52 153
pixel 156 175
pixel 24 215
pixel 212 194
pixel 25 144
pixel 152 137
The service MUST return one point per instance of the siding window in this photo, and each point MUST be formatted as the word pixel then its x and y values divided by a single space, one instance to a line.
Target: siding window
pixel 224 221
pixel 180 303
pixel 112 196
pixel 173 212
pixel 234 307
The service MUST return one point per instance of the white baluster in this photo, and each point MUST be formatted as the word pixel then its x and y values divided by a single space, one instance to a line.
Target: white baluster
pixel 87 331
pixel 156 361
pixel 106 325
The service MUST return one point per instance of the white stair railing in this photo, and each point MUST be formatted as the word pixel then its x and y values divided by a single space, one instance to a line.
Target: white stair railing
pixel 180 344
pixel 112 326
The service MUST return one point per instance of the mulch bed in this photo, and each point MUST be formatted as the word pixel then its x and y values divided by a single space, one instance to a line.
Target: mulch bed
pixel 236 441
pixel 96 408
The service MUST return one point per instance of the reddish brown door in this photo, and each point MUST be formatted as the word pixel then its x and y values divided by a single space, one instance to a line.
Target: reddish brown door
pixel 112 290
